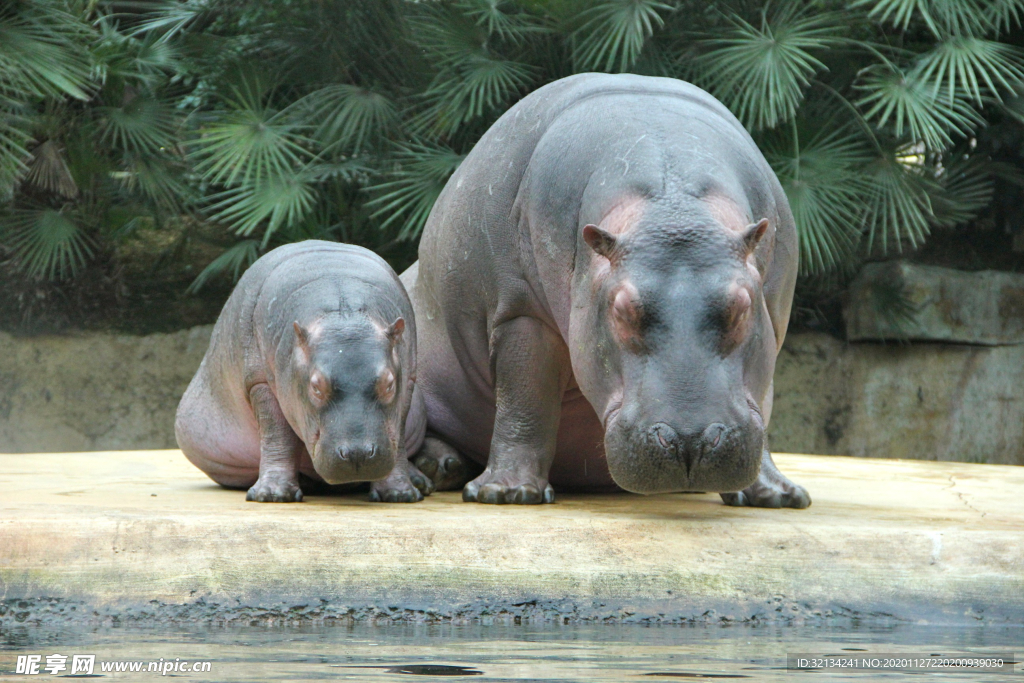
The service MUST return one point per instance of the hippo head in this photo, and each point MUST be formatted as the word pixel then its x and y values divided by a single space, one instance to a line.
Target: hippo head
pixel 348 377
pixel 677 321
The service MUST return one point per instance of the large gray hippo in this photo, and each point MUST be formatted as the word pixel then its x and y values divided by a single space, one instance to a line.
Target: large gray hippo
pixel 311 369
pixel 602 289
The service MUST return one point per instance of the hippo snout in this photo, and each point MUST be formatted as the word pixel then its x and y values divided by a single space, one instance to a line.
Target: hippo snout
pixel 357 456
pixel 353 462
pixel 662 458
pixel 691 448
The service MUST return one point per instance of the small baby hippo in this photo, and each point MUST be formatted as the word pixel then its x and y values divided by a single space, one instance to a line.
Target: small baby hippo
pixel 311 369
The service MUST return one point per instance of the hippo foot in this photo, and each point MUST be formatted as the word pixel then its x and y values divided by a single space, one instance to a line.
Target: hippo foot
pixel 405 484
pixel 498 489
pixel 446 467
pixel 771 490
pixel 275 489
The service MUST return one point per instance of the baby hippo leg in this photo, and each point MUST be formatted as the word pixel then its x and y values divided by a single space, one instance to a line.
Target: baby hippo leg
pixel 280 449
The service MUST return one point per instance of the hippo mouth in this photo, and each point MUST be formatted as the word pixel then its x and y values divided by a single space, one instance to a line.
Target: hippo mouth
pixel 656 459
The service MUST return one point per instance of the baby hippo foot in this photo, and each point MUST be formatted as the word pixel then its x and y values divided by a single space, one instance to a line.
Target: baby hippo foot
pixel 275 487
pixel 508 487
pixel 446 467
pixel 405 484
pixel 771 490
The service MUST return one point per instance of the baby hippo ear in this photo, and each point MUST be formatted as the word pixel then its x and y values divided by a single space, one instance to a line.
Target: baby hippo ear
pixel 302 339
pixel 602 242
pixel 754 233
pixel 395 330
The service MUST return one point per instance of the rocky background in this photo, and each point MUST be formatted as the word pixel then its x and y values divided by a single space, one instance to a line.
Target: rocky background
pixel 940 379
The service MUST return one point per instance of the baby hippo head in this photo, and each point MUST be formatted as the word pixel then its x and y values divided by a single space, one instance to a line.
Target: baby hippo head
pixel 348 376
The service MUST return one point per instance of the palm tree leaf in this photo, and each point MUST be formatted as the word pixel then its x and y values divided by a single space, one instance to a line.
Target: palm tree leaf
pixel 143 124
pixel 267 204
pixel 248 146
pixel 47 243
pixel 966 189
pixel 972 66
pixel 1004 15
pixel 761 73
pixel 236 258
pixel 467 90
pixel 898 207
pixel 942 17
pixel 414 187
pixel 49 171
pixel 826 186
pixel 346 116
pixel 169 18
pixel 14 140
pixel 43 51
pixel 501 18
pixel 909 105
pixel 613 32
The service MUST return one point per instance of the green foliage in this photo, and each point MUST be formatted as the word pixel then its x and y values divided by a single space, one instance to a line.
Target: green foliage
pixel 341 120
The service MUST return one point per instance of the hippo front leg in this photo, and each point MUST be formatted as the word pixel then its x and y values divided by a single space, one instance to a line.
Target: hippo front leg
pixel 771 489
pixel 279 452
pixel 530 364
pixel 405 484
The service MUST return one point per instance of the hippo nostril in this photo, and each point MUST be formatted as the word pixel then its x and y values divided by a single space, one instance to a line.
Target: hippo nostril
pixel 713 434
pixel 667 436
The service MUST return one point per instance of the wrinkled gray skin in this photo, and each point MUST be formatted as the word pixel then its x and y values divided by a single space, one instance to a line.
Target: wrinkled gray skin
pixel 602 290
pixel 311 369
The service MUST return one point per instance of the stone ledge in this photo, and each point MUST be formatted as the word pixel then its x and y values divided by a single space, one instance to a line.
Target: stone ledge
pixel 143 537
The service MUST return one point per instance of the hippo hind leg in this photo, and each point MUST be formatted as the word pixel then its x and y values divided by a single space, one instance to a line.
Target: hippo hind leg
pixel 448 469
pixel 772 489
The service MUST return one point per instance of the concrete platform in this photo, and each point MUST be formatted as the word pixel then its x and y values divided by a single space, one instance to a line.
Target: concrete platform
pixel 142 537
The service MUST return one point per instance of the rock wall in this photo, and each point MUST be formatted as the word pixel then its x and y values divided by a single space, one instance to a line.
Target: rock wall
pixel 94 391
pixel 926 401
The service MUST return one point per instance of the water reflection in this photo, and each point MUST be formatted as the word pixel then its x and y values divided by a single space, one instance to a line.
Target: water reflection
pixel 507 652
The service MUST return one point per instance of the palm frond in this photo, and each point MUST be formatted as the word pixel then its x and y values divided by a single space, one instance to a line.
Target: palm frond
pixel 249 146
pixel 942 17
pixel 1004 15
pixel 898 207
pixel 825 183
pixel 49 171
pixel 891 97
pixel 156 179
pixel 501 18
pixel 414 187
pixel 467 90
pixel 47 242
pixel 14 141
pixel 167 19
pixel 613 32
pixel 346 116
pixel 42 51
pixel 264 205
pixel 976 67
pixel 236 259
pixel 143 124
pixel 761 73
pixel 966 189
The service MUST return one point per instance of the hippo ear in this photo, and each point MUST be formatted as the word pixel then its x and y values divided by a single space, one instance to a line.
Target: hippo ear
pixel 754 233
pixel 395 330
pixel 301 338
pixel 603 243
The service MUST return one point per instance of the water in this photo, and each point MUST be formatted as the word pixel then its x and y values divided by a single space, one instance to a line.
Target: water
pixel 509 653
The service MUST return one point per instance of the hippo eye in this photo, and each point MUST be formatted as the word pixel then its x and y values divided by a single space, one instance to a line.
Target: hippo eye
pixel 386 386
pixel 319 387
